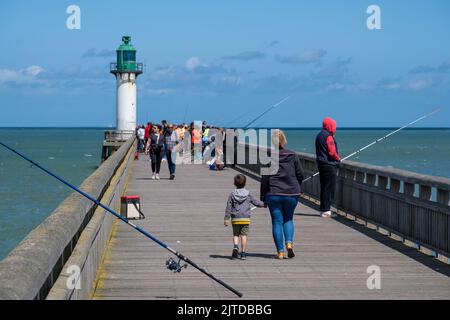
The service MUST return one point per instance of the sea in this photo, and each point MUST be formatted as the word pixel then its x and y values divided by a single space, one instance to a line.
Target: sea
pixel 28 195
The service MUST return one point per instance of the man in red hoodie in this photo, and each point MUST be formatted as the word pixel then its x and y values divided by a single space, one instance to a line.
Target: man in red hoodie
pixel 327 157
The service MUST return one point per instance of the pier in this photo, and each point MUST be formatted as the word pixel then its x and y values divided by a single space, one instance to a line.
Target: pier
pixel 392 219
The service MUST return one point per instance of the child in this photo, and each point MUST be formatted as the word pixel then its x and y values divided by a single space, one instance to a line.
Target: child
pixel 239 211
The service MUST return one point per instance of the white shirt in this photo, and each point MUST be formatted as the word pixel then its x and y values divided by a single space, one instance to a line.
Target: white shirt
pixel 141 133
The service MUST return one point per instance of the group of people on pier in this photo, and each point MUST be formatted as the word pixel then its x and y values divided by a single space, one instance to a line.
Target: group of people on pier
pixel 280 191
pixel 160 140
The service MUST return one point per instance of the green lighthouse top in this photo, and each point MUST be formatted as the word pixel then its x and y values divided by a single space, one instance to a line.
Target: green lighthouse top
pixel 126 58
pixel 126 45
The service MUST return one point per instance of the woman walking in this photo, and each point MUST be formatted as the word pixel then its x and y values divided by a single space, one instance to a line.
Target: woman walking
pixel 280 192
pixel 155 148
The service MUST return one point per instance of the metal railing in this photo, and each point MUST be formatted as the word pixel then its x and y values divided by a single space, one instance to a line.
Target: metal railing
pixel 118 135
pixel 410 205
pixel 139 68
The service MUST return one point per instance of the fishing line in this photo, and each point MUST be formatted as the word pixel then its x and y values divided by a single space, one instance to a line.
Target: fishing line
pixel 226 125
pixel 381 139
pixel 266 111
pixel 171 264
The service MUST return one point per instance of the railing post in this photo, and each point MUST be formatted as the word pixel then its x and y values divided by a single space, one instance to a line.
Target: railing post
pixel 360 176
pixel 309 165
pixel 370 179
pixel 443 196
pixel 341 172
pixel 409 189
pixel 395 185
pixel 382 182
pixel 425 192
pixel 349 174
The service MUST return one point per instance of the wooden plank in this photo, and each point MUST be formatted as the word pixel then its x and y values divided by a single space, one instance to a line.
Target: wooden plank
pixel 187 213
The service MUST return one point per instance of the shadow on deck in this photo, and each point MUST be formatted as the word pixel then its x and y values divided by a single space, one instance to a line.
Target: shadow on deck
pixel 187 213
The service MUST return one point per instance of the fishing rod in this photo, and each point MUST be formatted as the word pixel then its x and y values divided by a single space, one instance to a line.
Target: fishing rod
pixel 170 263
pixel 185 113
pixel 381 139
pixel 235 119
pixel 266 111
pixel 248 112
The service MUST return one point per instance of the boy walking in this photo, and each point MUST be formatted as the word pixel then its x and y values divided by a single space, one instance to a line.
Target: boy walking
pixel 239 212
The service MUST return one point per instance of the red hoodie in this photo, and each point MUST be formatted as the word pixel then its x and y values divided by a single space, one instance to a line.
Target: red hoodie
pixel 330 125
pixel 148 128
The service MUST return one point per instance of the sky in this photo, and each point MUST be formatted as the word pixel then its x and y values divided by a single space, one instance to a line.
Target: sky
pixel 224 60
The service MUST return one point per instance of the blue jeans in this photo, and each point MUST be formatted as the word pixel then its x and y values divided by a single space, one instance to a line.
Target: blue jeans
pixel 171 161
pixel 282 211
pixel 164 148
pixel 141 145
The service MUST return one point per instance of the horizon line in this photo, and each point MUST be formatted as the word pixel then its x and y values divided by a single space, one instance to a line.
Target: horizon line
pixel 262 127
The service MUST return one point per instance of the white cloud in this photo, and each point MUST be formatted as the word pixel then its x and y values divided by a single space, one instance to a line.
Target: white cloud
pixel 193 77
pixel 393 86
pixel 420 84
pixel 22 76
pixel 33 70
pixel 192 63
pixel 7 75
pixel 246 56
pixel 390 83
pixel 304 57
pixel 35 79
pixel 229 80
pixel 94 53
pixel 160 92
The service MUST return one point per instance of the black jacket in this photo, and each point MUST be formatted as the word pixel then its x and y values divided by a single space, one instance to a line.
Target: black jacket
pixel 288 179
pixel 156 144
pixel 326 147
pixel 323 156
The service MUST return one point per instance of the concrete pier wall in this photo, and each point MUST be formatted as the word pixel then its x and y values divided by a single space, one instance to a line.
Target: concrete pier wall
pixel 71 236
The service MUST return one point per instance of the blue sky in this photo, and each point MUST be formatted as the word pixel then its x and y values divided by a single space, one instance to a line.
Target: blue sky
pixel 216 60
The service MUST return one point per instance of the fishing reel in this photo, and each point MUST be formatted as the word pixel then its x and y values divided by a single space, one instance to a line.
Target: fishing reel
pixel 174 265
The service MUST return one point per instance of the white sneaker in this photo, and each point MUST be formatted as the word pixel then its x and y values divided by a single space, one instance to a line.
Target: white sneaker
pixel 164 159
pixel 326 214
pixel 157 176
pixel 153 177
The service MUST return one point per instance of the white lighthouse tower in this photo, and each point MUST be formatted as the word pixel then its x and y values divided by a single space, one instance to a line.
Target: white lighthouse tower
pixel 126 70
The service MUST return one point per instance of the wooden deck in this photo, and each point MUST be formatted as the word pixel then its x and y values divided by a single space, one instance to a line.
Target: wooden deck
pixel 187 214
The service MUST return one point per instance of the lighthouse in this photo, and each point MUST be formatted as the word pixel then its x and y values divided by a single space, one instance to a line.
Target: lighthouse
pixel 126 71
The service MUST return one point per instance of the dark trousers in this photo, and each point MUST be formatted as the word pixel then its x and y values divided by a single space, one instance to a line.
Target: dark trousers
pixel 141 145
pixel 170 162
pixel 156 158
pixel 327 174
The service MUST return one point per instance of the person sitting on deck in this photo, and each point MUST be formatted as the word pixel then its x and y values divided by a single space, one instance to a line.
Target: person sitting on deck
pixel 239 211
